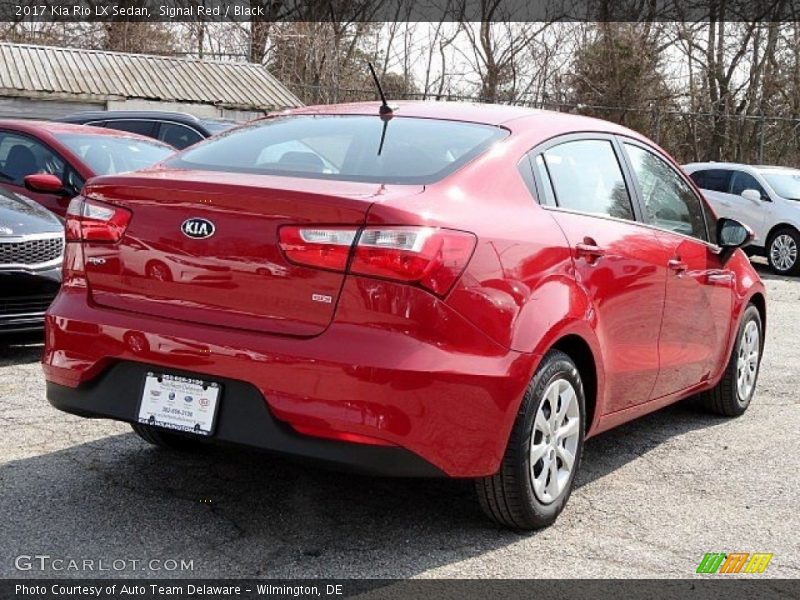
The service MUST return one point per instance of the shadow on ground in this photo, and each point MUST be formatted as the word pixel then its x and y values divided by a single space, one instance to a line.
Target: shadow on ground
pixel 243 514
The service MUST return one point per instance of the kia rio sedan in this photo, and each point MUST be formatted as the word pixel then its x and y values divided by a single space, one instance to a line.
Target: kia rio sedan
pixel 443 290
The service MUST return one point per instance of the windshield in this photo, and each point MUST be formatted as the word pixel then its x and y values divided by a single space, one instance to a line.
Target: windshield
pixel 785 183
pixel 109 154
pixel 348 148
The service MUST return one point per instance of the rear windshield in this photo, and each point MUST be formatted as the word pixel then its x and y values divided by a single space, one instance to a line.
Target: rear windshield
pixel 348 148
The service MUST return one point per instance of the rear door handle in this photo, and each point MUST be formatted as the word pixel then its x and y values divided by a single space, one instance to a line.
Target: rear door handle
pixel 589 250
pixel 676 264
pixel 721 277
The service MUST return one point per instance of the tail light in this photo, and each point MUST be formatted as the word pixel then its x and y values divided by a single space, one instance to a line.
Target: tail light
pixel 427 256
pixel 93 221
pixel 323 248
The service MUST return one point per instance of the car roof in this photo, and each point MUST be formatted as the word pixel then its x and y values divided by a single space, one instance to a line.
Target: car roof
pixel 48 128
pixel 91 115
pixel 548 122
pixel 718 165
pixel 732 165
pixel 776 168
pixel 490 114
pixel 155 115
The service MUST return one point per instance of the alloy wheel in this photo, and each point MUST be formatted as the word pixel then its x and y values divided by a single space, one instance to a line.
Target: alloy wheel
pixel 783 252
pixel 747 361
pixel 554 440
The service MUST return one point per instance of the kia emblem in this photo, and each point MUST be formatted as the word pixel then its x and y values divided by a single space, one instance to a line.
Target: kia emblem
pixel 197 228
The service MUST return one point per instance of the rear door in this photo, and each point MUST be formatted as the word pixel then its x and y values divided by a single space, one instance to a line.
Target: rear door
pixel 699 286
pixel 620 262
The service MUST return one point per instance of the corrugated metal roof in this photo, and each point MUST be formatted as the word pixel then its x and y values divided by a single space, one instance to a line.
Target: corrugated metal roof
pixel 98 75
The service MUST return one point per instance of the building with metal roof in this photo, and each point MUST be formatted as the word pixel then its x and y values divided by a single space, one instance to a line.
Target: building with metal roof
pixel 50 82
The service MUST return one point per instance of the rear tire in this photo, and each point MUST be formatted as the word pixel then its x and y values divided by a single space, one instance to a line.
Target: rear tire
pixel 732 395
pixel 783 251
pixel 166 439
pixel 549 429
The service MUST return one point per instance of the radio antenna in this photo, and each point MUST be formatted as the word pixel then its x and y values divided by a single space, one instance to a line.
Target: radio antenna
pixel 385 109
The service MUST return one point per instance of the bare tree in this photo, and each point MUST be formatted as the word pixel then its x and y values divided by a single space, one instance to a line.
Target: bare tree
pixel 141 37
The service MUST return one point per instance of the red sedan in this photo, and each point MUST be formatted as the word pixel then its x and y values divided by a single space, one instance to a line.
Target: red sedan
pixel 447 289
pixel 50 162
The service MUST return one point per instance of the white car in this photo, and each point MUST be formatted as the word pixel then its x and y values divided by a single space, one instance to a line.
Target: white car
pixel 767 199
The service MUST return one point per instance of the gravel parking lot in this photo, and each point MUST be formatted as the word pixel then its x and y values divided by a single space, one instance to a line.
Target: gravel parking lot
pixel 653 496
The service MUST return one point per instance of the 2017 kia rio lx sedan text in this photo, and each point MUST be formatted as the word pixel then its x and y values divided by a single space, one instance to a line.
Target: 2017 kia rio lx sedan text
pixel 448 289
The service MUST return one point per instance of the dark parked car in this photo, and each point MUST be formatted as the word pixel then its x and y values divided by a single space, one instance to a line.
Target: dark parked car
pixel 31 251
pixel 176 129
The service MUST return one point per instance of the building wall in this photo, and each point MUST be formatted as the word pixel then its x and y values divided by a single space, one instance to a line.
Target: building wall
pixel 28 108
pixel 19 107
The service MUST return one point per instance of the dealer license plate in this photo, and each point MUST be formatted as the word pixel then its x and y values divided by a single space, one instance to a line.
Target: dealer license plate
pixel 180 403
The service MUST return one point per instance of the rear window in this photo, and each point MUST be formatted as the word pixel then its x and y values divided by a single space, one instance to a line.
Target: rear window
pixel 348 148
pixel 111 154
pixel 716 180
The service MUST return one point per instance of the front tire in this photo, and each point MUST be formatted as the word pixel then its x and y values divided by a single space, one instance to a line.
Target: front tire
pixel 732 395
pixel 538 470
pixel 783 251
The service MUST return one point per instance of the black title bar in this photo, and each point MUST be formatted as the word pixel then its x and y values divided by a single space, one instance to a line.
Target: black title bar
pixel 398 10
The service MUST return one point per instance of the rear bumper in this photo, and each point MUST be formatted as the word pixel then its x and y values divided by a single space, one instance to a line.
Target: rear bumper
pixel 242 420
pixel 443 394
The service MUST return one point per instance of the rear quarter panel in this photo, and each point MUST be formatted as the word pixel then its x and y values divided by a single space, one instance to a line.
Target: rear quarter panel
pixel 747 284
pixel 519 287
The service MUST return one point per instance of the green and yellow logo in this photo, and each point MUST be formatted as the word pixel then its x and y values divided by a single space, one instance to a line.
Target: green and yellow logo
pixel 735 562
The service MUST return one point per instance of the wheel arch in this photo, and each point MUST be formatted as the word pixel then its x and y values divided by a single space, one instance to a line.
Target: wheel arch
pixel 760 302
pixel 579 350
pixel 775 228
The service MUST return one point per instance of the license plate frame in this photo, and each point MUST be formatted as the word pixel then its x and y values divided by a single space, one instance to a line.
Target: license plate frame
pixel 174 402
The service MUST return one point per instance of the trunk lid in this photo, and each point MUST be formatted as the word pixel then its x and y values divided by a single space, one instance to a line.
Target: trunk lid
pixel 167 265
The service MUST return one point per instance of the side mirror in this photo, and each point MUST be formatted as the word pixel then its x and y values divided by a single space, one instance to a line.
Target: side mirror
pixel 752 195
pixel 731 234
pixel 44 182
